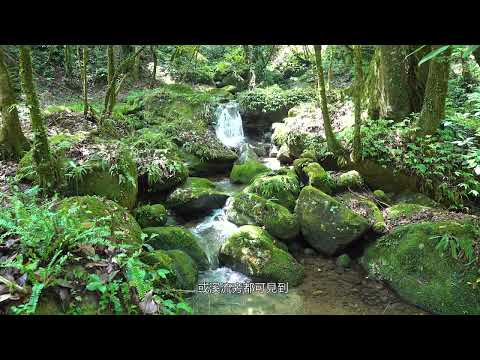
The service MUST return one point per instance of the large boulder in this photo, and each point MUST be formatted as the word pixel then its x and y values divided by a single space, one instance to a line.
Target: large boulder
pixel 90 166
pixel 251 209
pixel 177 238
pixel 312 173
pixel 244 173
pixel 349 180
pixel 97 211
pixel 151 215
pixel 365 207
pixel 183 269
pixel 426 264
pixel 196 196
pixel 253 252
pixel 326 224
pixel 281 189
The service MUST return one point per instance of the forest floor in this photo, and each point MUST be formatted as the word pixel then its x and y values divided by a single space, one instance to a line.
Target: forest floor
pixel 329 291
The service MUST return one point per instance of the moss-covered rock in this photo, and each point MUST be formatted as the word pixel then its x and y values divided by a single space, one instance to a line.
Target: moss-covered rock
pixel 381 196
pixel 247 153
pixel 281 189
pixel 365 207
pixel 89 166
pixel 343 261
pixel 253 252
pixel 160 167
pixel 186 270
pixel 196 196
pixel 284 155
pixel 244 173
pixel 251 209
pixel 97 211
pixel 405 211
pixel 121 187
pixel 177 238
pixel 411 262
pixel 151 215
pixel 415 198
pixel 326 224
pixel 349 180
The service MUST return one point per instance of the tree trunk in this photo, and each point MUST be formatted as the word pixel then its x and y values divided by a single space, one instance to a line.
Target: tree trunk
pixel 12 141
pixel 68 61
pixel 111 71
pixel 476 55
pixel 85 80
pixel 433 110
pixel 332 141
pixel 357 96
pixel 154 72
pixel 136 66
pixel 47 171
pixel 393 83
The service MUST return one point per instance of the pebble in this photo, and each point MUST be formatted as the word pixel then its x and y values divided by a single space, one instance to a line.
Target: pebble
pixel 317 292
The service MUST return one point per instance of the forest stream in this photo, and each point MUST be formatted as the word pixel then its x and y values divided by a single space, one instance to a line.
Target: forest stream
pixel 325 290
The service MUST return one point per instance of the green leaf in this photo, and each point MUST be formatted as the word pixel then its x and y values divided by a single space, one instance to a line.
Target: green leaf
pixel 470 49
pixel 433 54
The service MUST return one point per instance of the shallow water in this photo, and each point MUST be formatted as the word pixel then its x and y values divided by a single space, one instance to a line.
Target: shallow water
pixel 257 303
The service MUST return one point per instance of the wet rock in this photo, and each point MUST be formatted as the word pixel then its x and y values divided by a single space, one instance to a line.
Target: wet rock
pixel 196 196
pixel 253 252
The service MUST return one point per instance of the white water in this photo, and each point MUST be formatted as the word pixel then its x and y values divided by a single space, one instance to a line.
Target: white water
pixel 229 128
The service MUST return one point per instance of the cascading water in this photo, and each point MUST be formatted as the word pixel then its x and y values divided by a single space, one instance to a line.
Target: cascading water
pixel 229 128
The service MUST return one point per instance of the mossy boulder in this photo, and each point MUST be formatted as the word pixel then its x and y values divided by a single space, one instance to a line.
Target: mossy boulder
pixel 251 209
pixel 221 163
pixel 415 198
pixel 411 262
pixel 405 211
pixel 318 177
pixel 381 196
pixel 284 155
pixel 253 252
pixel 90 166
pixel 177 238
pixel 184 271
pixel 281 189
pixel 247 153
pixel 151 215
pixel 326 224
pixel 196 196
pixel 121 188
pixel 160 167
pixel 98 211
pixel 244 173
pixel 349 180
pixel 365 207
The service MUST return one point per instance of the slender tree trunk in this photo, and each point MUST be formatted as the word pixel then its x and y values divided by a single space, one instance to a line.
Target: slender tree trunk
pixel 357 95
pixel 111 71
pixel 12 141
pixel 85 80
pixel 433 110
pixel 46 168
pixel 154 72
pixel 136 66
pixel 68 61
pixel 332 142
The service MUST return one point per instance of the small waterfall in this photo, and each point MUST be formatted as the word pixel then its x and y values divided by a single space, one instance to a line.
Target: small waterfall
pixel 229 128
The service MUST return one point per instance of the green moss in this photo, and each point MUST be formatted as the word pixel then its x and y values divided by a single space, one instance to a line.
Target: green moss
pixel 244 173
pixel 249 208
pixel 151 215
pixel 365 207
pixel 343 261
pixel 404 211
pixel 253 252
pixel 349 180
pixel 410 262
pixel 415 198
pixel 381 196
pixel 318 177
pixel 197 195
pixel 281 189
pixel 186 270
pixel 93 210
pixel 327 224
pixel 177 238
